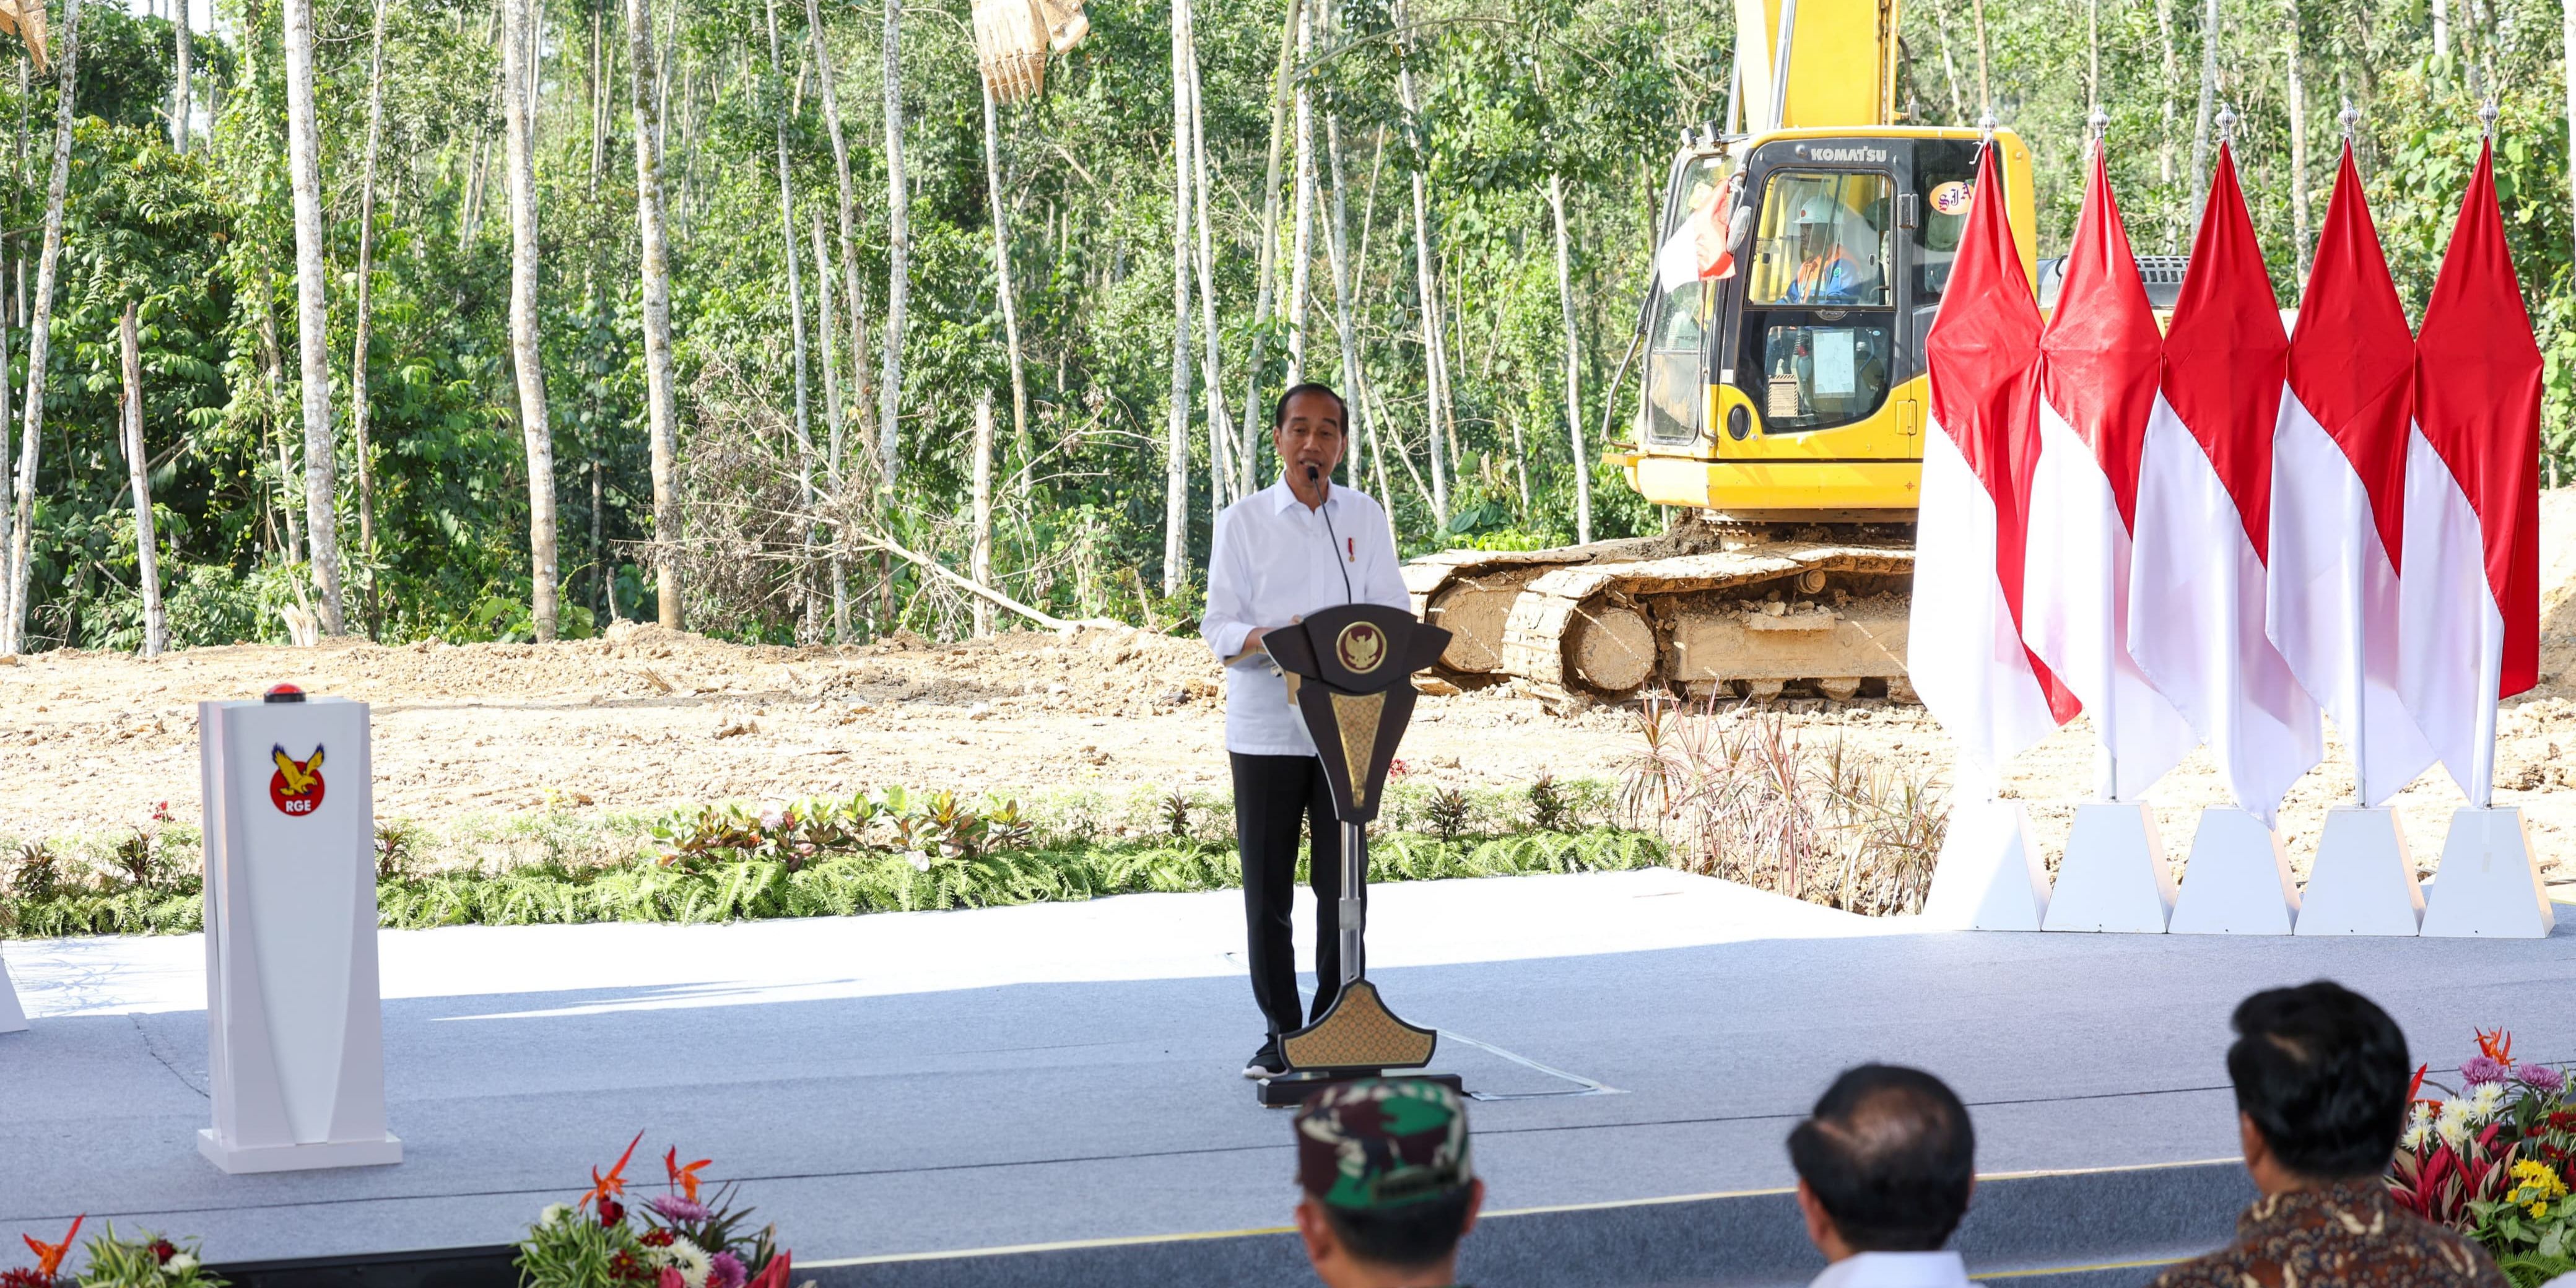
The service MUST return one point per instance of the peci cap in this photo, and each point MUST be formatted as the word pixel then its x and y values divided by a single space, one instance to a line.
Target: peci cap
pixel 1382 1143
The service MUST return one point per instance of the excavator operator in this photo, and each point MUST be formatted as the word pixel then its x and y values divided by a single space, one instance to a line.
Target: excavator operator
pixel 1827 273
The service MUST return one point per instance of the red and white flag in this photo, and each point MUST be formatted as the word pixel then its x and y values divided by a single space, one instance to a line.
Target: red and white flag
pixel 2469 589
pixel 1696 251
pixel 2204 516
pixel 2099 364
pixel 1964 650
pixel 2339 496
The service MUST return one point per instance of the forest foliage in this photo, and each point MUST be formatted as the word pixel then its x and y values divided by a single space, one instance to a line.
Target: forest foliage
pixel 1589 93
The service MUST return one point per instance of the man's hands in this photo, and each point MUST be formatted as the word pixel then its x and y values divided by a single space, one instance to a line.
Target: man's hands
pixel 1252 640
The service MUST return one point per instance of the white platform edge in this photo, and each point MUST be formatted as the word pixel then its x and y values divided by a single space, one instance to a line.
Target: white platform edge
pixel 2238 879
pixel 2363 880
pixel 2113 878
pixel 237 1160
pixel 2488 886
pixel 13 1017
pixel 1989 876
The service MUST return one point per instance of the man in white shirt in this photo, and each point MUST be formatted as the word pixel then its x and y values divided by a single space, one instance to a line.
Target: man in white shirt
pixel 1885 1162
pixel 1299 546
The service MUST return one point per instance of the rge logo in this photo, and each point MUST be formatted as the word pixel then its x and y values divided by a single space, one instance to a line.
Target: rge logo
pixel 296 787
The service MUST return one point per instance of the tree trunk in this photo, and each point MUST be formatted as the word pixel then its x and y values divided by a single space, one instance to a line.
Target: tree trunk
pixel 1338 247
pixel 2567 66
pixel 517 127
pixel 13 632
pixel 184 92
pixel 813 628
pixel 656 272
pixel 598 91
pixel 1002 275
pixel 1573 366
pixel 9 483
pixel 1220 433
pixel 1248 455
pixel 2201 119
pixel 980 563
pixel 1427 291
pixel 139 469
pixel 2297 106
pixel 852 295
pixel 1302 240
pixel 836 442
pixel 313 315
pixel 898 266
pixel 1176 447
pixel 2165 96
pixel 2442 29
pixel 358 406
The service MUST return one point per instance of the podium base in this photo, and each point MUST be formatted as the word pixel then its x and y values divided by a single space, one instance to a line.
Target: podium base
pixel 2488 886
pixel 13 1018
pixel 2363 882
pixel 1291 1090
pixel 236 1160
pixel 1988 876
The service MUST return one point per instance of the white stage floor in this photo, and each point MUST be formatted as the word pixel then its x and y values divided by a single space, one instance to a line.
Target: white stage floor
pixel 910 1083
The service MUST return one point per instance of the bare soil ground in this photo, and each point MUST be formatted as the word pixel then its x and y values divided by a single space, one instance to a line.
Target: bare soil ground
pixel 646 719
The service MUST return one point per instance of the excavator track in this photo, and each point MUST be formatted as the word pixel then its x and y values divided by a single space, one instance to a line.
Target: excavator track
pixel 1679 614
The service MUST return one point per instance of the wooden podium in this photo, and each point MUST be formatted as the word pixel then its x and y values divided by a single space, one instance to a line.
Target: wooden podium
pixel 1350 675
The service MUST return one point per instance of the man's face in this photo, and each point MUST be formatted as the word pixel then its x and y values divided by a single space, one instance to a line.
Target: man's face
pixel 1813 240
pixel 1311 434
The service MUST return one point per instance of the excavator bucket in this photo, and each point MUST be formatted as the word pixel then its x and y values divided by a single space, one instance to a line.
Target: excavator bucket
pixel 1012 41
pixel 26 18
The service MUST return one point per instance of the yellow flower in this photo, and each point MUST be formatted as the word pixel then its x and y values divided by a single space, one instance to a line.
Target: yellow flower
pixel 2535 1185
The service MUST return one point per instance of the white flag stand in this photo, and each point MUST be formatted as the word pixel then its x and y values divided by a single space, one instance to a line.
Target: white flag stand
pixel 2488 886
pixel 2113 877
pixel 294 1020
pixel 13 1017
pixel 1989 876
pixel 2238 879
pixel 2363 882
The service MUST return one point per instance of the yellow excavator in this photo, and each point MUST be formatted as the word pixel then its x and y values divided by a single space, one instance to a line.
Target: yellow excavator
pixel 1785 400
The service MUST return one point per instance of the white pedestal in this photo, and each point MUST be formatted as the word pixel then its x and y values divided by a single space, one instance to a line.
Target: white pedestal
pixel 2363 882
pixel 2113 877
pixel 1989 876
pixel 13 1018
pixel 2488 886
pixel 2238 880
pixel 294 1019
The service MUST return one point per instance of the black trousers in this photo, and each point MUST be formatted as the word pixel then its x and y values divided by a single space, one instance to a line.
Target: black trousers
pixel 1275 798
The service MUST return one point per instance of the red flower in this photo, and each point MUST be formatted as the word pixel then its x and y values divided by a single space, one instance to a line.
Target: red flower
pixel 624 1267
pixel 22 1277
pixel 2417 1082
pixel 611 1212
pixel 773 1275
pixel 163 1250
pixel 49 1256
pixel 658 1238
pixel 604 1188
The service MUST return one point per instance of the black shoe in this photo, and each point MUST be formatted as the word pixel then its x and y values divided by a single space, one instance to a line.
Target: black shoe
pixel 1266 1062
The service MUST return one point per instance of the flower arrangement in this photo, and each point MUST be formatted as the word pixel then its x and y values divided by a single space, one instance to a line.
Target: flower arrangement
pixel 2493 1160
pixel 146 1261
pixel 687 1237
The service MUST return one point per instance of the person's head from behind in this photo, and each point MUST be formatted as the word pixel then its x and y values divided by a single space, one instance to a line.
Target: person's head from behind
pixel 1389 1184
pixel 2321 1078
pixel 1885 1163
pixel 1309 427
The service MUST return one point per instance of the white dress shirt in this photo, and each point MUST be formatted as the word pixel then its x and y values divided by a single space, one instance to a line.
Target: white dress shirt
pixel 1274 560
pixel 1895 1270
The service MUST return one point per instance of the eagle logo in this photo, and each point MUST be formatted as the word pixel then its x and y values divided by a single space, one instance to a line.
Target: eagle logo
pixel 296 787
pixel 1361 647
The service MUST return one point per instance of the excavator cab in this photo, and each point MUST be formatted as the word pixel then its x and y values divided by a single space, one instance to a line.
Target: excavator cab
pixel 1791 389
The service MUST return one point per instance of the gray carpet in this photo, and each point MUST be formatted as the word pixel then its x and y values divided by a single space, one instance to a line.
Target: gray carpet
pixel 904 1118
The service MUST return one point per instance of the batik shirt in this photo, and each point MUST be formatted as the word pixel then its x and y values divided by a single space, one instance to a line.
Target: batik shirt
pixel 2348 1236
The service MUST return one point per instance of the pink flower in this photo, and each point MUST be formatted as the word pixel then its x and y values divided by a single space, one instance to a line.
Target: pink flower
pixel 725 1270
pixel 2542 1077
pixel 674 1208
pixel 672 1278
pixel 2480 1068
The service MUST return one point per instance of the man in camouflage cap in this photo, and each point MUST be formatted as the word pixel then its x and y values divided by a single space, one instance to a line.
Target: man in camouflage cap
pixel 1390 1187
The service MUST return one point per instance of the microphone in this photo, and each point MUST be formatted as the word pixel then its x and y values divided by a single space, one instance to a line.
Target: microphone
pixel 1313 472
